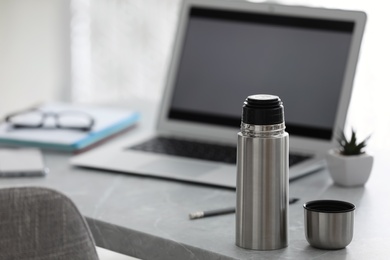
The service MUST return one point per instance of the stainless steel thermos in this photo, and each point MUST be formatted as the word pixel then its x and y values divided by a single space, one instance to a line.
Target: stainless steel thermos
pixel 262 175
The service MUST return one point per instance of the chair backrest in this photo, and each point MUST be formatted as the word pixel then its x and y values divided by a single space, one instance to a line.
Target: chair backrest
pixel 41 224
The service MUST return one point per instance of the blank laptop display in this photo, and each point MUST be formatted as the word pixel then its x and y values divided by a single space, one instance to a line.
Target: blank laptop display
pixel 228 55
pixel 228 50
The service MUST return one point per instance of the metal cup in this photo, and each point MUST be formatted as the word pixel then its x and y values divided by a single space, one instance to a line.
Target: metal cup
pixel 329 223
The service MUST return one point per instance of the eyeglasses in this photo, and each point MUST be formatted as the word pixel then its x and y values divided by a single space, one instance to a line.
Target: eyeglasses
pixel 35 118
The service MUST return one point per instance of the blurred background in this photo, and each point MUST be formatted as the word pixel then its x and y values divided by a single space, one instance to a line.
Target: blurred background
pixel 110 51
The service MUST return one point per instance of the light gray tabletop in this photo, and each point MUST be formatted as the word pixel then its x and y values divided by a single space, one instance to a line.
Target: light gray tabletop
pixel 148 217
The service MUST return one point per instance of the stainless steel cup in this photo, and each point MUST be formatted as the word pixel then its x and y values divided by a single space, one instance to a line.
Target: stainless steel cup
pixel 329 223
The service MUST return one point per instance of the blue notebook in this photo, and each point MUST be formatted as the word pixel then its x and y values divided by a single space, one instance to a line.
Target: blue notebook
pixel 108 122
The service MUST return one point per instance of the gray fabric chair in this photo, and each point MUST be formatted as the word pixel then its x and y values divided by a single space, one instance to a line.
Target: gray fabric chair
pixel 41 224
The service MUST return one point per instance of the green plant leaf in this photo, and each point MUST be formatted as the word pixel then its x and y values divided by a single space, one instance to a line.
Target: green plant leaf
pixel 351 147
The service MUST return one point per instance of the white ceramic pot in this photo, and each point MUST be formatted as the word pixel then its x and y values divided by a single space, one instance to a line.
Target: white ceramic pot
pixel 351 170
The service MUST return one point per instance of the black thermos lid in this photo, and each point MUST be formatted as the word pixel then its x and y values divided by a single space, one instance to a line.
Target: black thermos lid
pixel 262 109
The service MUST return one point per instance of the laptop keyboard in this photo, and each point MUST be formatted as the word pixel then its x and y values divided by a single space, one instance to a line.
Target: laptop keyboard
pixel 199 150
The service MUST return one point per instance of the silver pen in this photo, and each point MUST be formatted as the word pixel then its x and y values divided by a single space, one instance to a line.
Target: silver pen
pixel 216 212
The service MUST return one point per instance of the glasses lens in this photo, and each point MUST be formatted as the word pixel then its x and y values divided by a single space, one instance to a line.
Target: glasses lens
pixel 27 119
pixel 74 120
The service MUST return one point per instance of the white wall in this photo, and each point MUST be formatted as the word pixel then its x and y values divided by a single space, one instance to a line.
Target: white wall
pixel 121 49
pixel 34 52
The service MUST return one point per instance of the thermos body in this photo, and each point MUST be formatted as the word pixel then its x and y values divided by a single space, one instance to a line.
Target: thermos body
pixel 262 208
pixel 262 187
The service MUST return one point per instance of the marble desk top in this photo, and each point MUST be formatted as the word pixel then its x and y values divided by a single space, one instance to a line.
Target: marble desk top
pixel 148 217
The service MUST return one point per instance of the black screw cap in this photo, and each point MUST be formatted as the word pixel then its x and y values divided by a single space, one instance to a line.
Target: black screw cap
pixel 263 109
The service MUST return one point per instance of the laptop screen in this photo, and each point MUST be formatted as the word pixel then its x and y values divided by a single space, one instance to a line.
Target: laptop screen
pixel 228 55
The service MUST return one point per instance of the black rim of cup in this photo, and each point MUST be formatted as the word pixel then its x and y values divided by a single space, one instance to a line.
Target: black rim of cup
pixel 329 206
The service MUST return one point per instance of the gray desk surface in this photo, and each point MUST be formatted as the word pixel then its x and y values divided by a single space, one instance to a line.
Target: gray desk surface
pixel 148 218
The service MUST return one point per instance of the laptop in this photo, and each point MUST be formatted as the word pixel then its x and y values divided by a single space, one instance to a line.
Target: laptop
pixel 225 51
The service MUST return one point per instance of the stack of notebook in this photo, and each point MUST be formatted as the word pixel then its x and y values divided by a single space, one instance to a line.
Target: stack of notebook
pixel 106 123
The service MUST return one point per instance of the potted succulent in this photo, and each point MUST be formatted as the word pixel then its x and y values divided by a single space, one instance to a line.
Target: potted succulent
pixel 349 165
